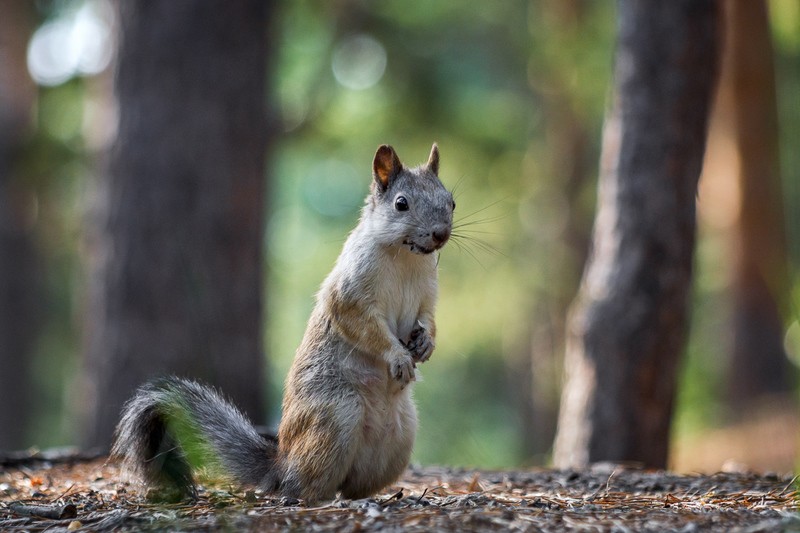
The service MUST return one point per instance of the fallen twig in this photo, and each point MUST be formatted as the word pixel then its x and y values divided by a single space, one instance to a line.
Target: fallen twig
pixel 54 512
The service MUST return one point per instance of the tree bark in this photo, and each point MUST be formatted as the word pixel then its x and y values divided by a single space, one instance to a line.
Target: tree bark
pixel 627 327
pixel 745 114
pixel 177 253
pixel 19 260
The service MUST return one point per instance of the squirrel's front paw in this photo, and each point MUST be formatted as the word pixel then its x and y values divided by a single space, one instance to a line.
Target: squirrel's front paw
pixel 401 368
pixel 420 344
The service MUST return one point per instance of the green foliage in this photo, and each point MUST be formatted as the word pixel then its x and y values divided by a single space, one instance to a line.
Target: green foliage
pixel 466 417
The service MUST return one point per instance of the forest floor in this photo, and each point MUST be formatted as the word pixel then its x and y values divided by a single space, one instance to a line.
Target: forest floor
pixel 74 493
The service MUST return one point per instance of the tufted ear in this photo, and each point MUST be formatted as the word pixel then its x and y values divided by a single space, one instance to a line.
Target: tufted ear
pixel 433 160
pixel 385 166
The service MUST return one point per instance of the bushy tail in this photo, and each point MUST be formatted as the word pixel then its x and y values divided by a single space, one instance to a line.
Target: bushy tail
pixel 172 426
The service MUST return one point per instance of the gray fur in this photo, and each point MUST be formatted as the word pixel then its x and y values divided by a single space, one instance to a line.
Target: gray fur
pixel 430 209
pixel 169 416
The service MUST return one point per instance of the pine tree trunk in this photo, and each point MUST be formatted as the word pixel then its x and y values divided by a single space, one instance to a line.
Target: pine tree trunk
pixel 19 261
pixel 177 251
pixel 746 114
pixel 627 327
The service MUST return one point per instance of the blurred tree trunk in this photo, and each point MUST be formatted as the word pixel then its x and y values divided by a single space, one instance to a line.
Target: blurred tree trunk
pixel 745 115
pixel 177 255
pixel 627 326
pixel 19 263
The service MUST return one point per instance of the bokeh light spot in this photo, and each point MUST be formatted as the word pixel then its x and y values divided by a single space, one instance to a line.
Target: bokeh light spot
pixel 359 62
pixel 77 43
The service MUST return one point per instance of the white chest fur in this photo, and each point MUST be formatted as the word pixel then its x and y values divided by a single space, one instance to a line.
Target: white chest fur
pixel 396 283
pixel 403 282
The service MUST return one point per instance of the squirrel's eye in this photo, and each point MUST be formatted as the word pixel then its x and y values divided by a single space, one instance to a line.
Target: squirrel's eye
pixel 454 205
pixel 401 204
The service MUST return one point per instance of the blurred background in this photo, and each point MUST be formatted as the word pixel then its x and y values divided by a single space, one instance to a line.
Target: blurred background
pixel 514 92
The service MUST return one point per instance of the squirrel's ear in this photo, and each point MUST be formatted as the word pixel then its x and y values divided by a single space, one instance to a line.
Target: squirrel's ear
pixel 433 160
pixel 385 166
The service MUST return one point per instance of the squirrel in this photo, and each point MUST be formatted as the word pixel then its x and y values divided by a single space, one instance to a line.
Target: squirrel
pixel 348 418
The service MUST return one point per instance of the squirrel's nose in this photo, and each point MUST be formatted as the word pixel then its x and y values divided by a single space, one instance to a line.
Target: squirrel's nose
pixel 440 235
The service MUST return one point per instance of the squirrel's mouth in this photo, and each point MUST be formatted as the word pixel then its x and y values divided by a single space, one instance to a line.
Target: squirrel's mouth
pixel 417 248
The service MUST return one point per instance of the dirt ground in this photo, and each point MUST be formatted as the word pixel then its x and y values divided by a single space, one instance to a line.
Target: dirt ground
pixel 72 493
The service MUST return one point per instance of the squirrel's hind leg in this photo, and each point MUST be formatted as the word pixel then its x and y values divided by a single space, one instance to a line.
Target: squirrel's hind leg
pixel 319 444
pixel 384 457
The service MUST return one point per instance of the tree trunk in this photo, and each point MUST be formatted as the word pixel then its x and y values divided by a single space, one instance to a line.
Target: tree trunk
pixel 19 262
pixel 627 327
pixel 177 254
pixel 746 116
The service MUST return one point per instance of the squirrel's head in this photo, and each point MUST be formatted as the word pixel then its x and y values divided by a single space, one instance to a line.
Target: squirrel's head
pixel 410 207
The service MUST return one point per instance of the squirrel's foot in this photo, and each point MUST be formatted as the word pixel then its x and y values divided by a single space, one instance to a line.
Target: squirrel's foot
pixel 420 344
pixel 401 368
